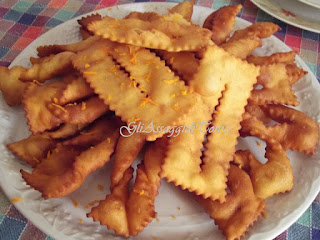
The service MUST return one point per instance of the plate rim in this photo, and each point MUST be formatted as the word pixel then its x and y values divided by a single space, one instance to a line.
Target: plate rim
pixel 32 217
pixel 310 3
pixel 284 18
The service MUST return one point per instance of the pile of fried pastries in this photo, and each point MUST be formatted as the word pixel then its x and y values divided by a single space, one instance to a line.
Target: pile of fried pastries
pixel 169 71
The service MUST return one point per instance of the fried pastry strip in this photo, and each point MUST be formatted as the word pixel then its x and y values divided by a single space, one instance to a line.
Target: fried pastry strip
pixel 271 178
pixel 275 176
pixel 297 130
pixel 36 147
pixel 126 152
pixel 66 168
pixel 127 214
pixel 66 130
pixel 33 149
pixel 92 135
pixel 35 100
pixel 221 22
pixel 85 21
pixel 182 165
pixel 279 57
pixel 85 112
pixel 185 64
pixel 85 34
pixel 75 90
pixel 241 209
pixel 256 111
pixel 158 34
pixel 276 86
pixel 48 68
pixel 259 29
pixel 185 9
pixel 10 85
pixel 44 51
pixel 295 73
pixel 242 47
pixel 108 81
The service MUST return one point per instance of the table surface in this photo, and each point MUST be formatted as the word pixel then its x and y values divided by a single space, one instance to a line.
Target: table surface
pixel 23 21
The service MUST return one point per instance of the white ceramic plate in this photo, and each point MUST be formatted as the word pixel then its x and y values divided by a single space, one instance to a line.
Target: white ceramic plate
pixel 313 3
pixel 292 12
pixel 60 219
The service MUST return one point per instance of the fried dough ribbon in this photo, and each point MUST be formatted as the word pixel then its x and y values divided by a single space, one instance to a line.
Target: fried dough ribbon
pixel 241 209
pixel 219 76
pixel 159 34
pixel 221 22
pixel 151 90
pixel 275 176
pixel 66 168
pixel 128 213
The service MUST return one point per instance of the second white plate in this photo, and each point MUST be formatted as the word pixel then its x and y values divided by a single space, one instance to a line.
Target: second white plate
pixel 292 12
pixel 313 3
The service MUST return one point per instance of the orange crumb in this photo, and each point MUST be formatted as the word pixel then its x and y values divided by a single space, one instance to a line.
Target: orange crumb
pixel 264 215
pixel 87 65
pixel 158 220
pixel 184 92
pixel 142 88
pixel 83 106
pixel 93 202
pixel 81 221
pixel 100 187
pixel 60 107
pixel 132 82
pixel 173 81
pixel 75 203
pixel 133 59
pixel 258 143
pixel 114 68
pixel 240 166
pixel 35 81
pixel 148 77
pixel 147 100
pixel 71 104
pixel 174 217
pixel 109 9
pixel 55 100
pixel 141 192
pixel 179 208
pixel 16 199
